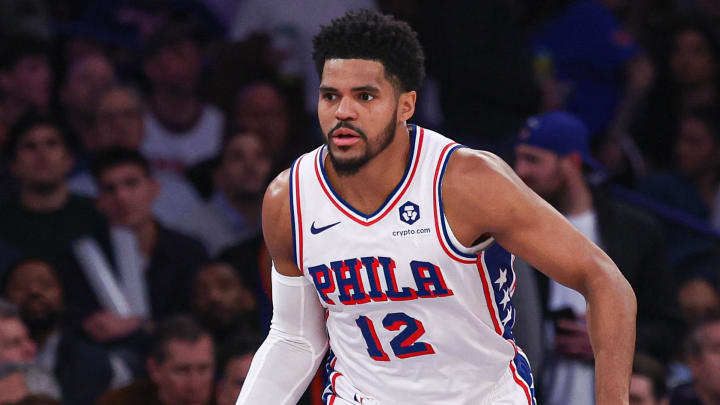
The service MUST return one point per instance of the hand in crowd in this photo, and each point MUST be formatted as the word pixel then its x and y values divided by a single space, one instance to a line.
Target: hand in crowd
pixel 572 339
pixel 104 326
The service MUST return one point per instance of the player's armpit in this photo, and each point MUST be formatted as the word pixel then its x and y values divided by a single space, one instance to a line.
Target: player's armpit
pixel 277 225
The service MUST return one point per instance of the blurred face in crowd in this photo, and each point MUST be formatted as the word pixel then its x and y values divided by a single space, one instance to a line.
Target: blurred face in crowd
pixel 235 373
pixel 541 170
pixel 698 298
pixel 705 365
pixel 175 68
pixel 127 194
pixel 641 391
pixel 119 120
pixel 245 167
pixel 220 296
pixel 29 81
pixel 42 160
pixel 691 60
pixel 15 343
pixel 696 149
pixel 186 375
pixel 34 288
pixel 86 78
pixel 261 109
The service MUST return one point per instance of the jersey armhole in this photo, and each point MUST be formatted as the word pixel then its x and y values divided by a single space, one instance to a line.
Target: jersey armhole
pixel 451 245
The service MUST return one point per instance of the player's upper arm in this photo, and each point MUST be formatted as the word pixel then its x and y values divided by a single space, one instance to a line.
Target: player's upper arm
pixel 482 195
pixel 277 225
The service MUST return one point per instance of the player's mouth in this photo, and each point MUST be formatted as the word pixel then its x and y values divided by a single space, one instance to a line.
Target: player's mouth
pixel 345 137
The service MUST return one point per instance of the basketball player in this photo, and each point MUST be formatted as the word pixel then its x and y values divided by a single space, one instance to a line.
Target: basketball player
pixel 389 245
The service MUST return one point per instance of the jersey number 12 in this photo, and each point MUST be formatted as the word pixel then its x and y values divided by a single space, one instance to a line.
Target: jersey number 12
pixel 403 345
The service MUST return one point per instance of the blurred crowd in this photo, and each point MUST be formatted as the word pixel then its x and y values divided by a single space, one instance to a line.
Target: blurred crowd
pixel 137 138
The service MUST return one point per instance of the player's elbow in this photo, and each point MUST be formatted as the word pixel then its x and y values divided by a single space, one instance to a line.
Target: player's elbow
pixel 610 282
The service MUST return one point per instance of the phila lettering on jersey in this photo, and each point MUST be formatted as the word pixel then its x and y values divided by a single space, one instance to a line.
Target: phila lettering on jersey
pixel 409 309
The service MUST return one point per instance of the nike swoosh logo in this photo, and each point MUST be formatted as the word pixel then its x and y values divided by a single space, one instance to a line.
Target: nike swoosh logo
pixel 316 231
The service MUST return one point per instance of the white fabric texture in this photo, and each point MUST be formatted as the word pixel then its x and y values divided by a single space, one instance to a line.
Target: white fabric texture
pixel 286 362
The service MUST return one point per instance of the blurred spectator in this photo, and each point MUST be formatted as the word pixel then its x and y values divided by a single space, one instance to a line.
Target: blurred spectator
pixel 234 373
pixel 25 79
pixel 694 185
pixel 687 81
pixel 263 108
pixel 118 118
pixel 699 296
pixel 647 384
pixel 147 256
pixel 291 26
pixel 20 380
pixel 181 365
pixel 704 359
pixel 83 371
pixel 45 217
pixel 551 154
pixel 587 51
pixel 180 128
pixel 252 260
pixel 240 179
pixel 18 374
pixel 86 78
pixel 224 304
pixel 16 347
pixel 119 123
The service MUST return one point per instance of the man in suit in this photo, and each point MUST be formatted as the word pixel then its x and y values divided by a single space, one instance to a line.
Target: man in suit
pixel 553 158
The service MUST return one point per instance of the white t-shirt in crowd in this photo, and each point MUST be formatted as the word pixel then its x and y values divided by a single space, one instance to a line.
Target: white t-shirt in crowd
pixel 175 151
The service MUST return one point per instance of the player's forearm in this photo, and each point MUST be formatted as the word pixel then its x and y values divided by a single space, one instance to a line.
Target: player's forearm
pixel 286 362
pixel 612 310
pixel 281 370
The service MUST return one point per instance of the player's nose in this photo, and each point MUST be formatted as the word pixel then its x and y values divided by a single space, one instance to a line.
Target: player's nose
pixel 346 109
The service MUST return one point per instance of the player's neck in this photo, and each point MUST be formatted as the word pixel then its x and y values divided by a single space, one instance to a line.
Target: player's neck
pixel 370 187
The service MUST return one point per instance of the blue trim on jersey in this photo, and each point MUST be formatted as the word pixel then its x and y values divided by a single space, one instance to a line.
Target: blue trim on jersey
pixel 413 138
pixel 442 209
pixel 292 212
pixel 498 265
pixel 524 372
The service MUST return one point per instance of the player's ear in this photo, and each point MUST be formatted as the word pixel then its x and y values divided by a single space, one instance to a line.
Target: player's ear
pixel 406 105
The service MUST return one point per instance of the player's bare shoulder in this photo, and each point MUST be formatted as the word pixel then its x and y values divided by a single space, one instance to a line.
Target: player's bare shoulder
pixel 276 221
pixel 479 189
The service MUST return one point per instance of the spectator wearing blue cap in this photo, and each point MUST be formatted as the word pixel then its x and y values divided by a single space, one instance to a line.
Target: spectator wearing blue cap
pixel 553 158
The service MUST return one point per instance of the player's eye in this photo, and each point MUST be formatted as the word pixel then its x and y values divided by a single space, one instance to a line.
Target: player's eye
pixel 329 96
pixel 366 96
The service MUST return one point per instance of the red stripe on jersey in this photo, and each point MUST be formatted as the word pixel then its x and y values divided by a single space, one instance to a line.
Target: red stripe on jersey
pixel 299 213
pixel 486 291
pixel 521 383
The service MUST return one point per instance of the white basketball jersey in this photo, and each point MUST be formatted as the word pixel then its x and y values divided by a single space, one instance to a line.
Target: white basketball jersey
pixel 413 316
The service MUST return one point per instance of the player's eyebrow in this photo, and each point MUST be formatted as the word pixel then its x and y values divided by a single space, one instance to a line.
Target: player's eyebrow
pixel 367 87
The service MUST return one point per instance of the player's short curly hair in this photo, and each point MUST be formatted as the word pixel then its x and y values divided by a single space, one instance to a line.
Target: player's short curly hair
pixel 366 34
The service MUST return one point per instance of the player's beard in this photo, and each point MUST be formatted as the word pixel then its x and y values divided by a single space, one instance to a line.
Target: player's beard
pixel 349 167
